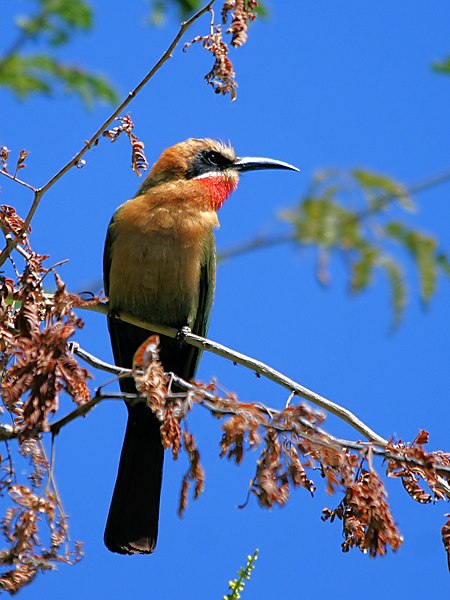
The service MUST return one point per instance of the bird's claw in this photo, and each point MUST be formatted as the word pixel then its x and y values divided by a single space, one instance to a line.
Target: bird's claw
pixel 182 334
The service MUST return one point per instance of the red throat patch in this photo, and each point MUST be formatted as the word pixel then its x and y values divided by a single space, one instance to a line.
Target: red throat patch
pixel 219 188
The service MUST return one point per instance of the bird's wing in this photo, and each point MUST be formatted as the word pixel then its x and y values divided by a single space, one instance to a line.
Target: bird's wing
pixel 207 286
pixel 107 255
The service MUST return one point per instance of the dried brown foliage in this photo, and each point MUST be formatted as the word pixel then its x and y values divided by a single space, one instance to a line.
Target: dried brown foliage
pixel 194 474
pixel 222 77
pixel 171 409
pixel 291 446
pixel 12 223
pixel 414 464
pixel 20 164
pixel 446 538
pixel 21 161
pixel 366 517
pixel 37 365
pixel 36 353
pixel 139 162
pixel 4 154
pixel 35 513
pixel 242 12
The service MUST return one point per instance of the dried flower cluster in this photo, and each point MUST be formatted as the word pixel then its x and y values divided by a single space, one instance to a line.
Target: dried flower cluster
pixel 195 474
pixel 139 162
pixel 416 464
pixel 20 164
pixel 4 155
pixel 242 12
pixel 21 161
pixel 222 76
pixel 11 223
pixel 37 360
pixel 446 538
pixel 367 520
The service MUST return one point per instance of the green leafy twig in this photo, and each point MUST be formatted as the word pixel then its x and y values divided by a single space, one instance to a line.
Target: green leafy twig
pixel 55 24
pixel 236 586
pixel 325 220
pixel 40 73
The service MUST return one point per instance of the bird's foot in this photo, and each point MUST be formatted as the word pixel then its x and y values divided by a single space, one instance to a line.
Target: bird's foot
pixel 182 334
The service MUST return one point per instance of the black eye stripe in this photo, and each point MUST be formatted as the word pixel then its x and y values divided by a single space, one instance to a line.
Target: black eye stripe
pixel 207 161
pixel 215 159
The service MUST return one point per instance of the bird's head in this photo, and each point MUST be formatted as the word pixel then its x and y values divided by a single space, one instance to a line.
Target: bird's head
pixel 209 165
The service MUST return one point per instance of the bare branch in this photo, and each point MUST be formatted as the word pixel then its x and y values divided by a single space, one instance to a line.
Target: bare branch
pixel 17 180
pixel 254 365
pixel 209 401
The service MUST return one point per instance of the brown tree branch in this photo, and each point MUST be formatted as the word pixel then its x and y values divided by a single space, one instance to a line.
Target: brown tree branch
pixel 209 401
pixel 254 365
pixel 17 180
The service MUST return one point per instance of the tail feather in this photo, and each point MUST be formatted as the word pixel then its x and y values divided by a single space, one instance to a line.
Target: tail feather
pixel 132 524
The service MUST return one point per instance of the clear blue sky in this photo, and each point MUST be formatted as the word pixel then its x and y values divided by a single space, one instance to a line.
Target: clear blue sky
pixel 321 84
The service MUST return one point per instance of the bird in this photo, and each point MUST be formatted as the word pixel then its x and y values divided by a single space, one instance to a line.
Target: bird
pixel 160 266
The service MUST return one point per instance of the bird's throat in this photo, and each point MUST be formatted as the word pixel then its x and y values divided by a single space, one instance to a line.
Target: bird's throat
pixel 219 187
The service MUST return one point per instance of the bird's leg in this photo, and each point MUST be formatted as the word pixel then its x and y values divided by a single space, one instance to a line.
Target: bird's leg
pixel 182 335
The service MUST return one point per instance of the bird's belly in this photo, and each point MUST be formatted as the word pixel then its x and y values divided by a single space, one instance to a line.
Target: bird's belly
pixel 155 280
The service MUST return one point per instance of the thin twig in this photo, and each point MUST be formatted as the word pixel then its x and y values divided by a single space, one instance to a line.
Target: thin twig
pixel 257 243
pixel 81 411
pixel 94 138
pixel 97 363
pixel 17 180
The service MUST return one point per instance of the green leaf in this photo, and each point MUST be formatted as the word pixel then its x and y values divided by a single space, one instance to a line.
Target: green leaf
pixel 262 11
pixel 159 9
pixel 443 262
pixel 395 277
pixel 39 73
pixel 422 248
pixel 57 20
pixel 323 220
pixel 23 76
pixel 442 66
pixel 379 190
pixel 362 268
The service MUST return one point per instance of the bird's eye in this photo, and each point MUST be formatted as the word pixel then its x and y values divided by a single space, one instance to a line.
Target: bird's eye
pixel 214 159
pixel 208 161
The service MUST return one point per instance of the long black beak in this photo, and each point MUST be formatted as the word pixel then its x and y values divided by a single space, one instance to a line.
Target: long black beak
pixel 255 163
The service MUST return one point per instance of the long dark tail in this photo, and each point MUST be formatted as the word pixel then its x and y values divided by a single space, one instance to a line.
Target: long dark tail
pixel 132 524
